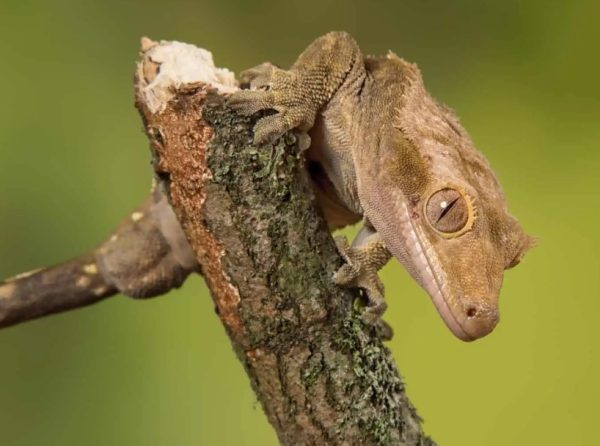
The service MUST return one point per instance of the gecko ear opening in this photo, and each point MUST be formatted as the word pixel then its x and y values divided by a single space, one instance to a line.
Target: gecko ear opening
pixel 526 243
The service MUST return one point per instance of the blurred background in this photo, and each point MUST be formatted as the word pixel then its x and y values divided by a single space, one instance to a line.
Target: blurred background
pixel 522 75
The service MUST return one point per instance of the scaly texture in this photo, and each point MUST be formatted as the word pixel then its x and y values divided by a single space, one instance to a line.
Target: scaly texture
pixel 249 212
pixel 391 153
pixel 146 256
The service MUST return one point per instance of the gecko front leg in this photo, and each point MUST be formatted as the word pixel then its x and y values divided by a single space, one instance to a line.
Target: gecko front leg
pixel 331 69
pixel 364 259
pixel 297 94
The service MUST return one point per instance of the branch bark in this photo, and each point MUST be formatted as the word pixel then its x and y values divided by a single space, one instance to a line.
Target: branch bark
pixel 249 213
pixel 250 216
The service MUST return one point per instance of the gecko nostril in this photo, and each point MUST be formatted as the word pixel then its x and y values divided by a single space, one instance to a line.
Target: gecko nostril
pixel 471 312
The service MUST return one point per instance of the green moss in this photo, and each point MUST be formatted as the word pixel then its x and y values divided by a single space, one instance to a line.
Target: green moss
pixel 263 187
pixel 274 214
pixel 377 380
pixel 312 369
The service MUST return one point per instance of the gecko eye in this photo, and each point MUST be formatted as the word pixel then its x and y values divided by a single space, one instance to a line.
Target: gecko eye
pixel 449 212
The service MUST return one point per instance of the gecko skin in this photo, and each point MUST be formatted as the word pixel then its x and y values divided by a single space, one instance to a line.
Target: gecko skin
pixel 146 256
pixel 383 149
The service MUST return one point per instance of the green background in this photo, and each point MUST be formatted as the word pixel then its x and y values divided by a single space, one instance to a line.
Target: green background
pixel 523 76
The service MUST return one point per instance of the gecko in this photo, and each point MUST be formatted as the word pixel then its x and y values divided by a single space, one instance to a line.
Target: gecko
pixel 381 149
pixel 378 148
pixel 146 256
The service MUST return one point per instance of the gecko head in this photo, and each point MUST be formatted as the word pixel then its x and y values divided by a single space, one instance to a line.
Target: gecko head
pixel 468 240
pixel 456 241
pixel 444 214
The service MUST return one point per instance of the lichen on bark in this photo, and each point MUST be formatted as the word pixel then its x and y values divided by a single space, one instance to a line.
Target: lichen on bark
pixel 249 212
pixel 306 326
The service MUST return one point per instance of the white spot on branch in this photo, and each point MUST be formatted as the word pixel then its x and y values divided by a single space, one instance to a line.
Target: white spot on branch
pixel 90 269
pixel 7 290
pixel 99 291
pixel 24 275
pixel 83 282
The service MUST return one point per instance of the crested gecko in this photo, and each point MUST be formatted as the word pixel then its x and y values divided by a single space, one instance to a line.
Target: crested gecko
pixel 382 149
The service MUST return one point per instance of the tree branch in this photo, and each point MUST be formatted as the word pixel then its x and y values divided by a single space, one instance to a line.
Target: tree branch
pixel 250 217
pixel 267 256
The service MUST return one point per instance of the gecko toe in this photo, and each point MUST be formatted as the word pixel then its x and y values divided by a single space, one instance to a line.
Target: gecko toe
pixel 372 314
pixel 258 77
pixel 269 128
pixel 384 330
pixel 345 276
pixel 248 102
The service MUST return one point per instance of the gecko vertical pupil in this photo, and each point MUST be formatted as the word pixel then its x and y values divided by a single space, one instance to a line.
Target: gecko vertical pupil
pixel 447 210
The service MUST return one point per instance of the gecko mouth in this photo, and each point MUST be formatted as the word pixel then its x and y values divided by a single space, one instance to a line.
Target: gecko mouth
pixel 421 262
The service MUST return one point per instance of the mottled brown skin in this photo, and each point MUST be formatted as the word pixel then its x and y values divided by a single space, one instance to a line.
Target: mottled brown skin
pixel 402 161
pixel 146 256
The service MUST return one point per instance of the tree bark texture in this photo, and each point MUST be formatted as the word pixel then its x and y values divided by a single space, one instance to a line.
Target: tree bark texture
pixel 250 215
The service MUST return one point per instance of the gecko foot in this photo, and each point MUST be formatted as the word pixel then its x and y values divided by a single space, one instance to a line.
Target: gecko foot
pixel 384 330
pixel 258 77
pixel 272 88
pixel 358 271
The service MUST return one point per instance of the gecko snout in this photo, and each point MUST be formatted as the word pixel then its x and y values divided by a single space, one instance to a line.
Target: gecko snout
pixel 479 320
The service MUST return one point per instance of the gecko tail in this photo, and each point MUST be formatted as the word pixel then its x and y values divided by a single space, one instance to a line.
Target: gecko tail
pixel 73 284
pixel 146 256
